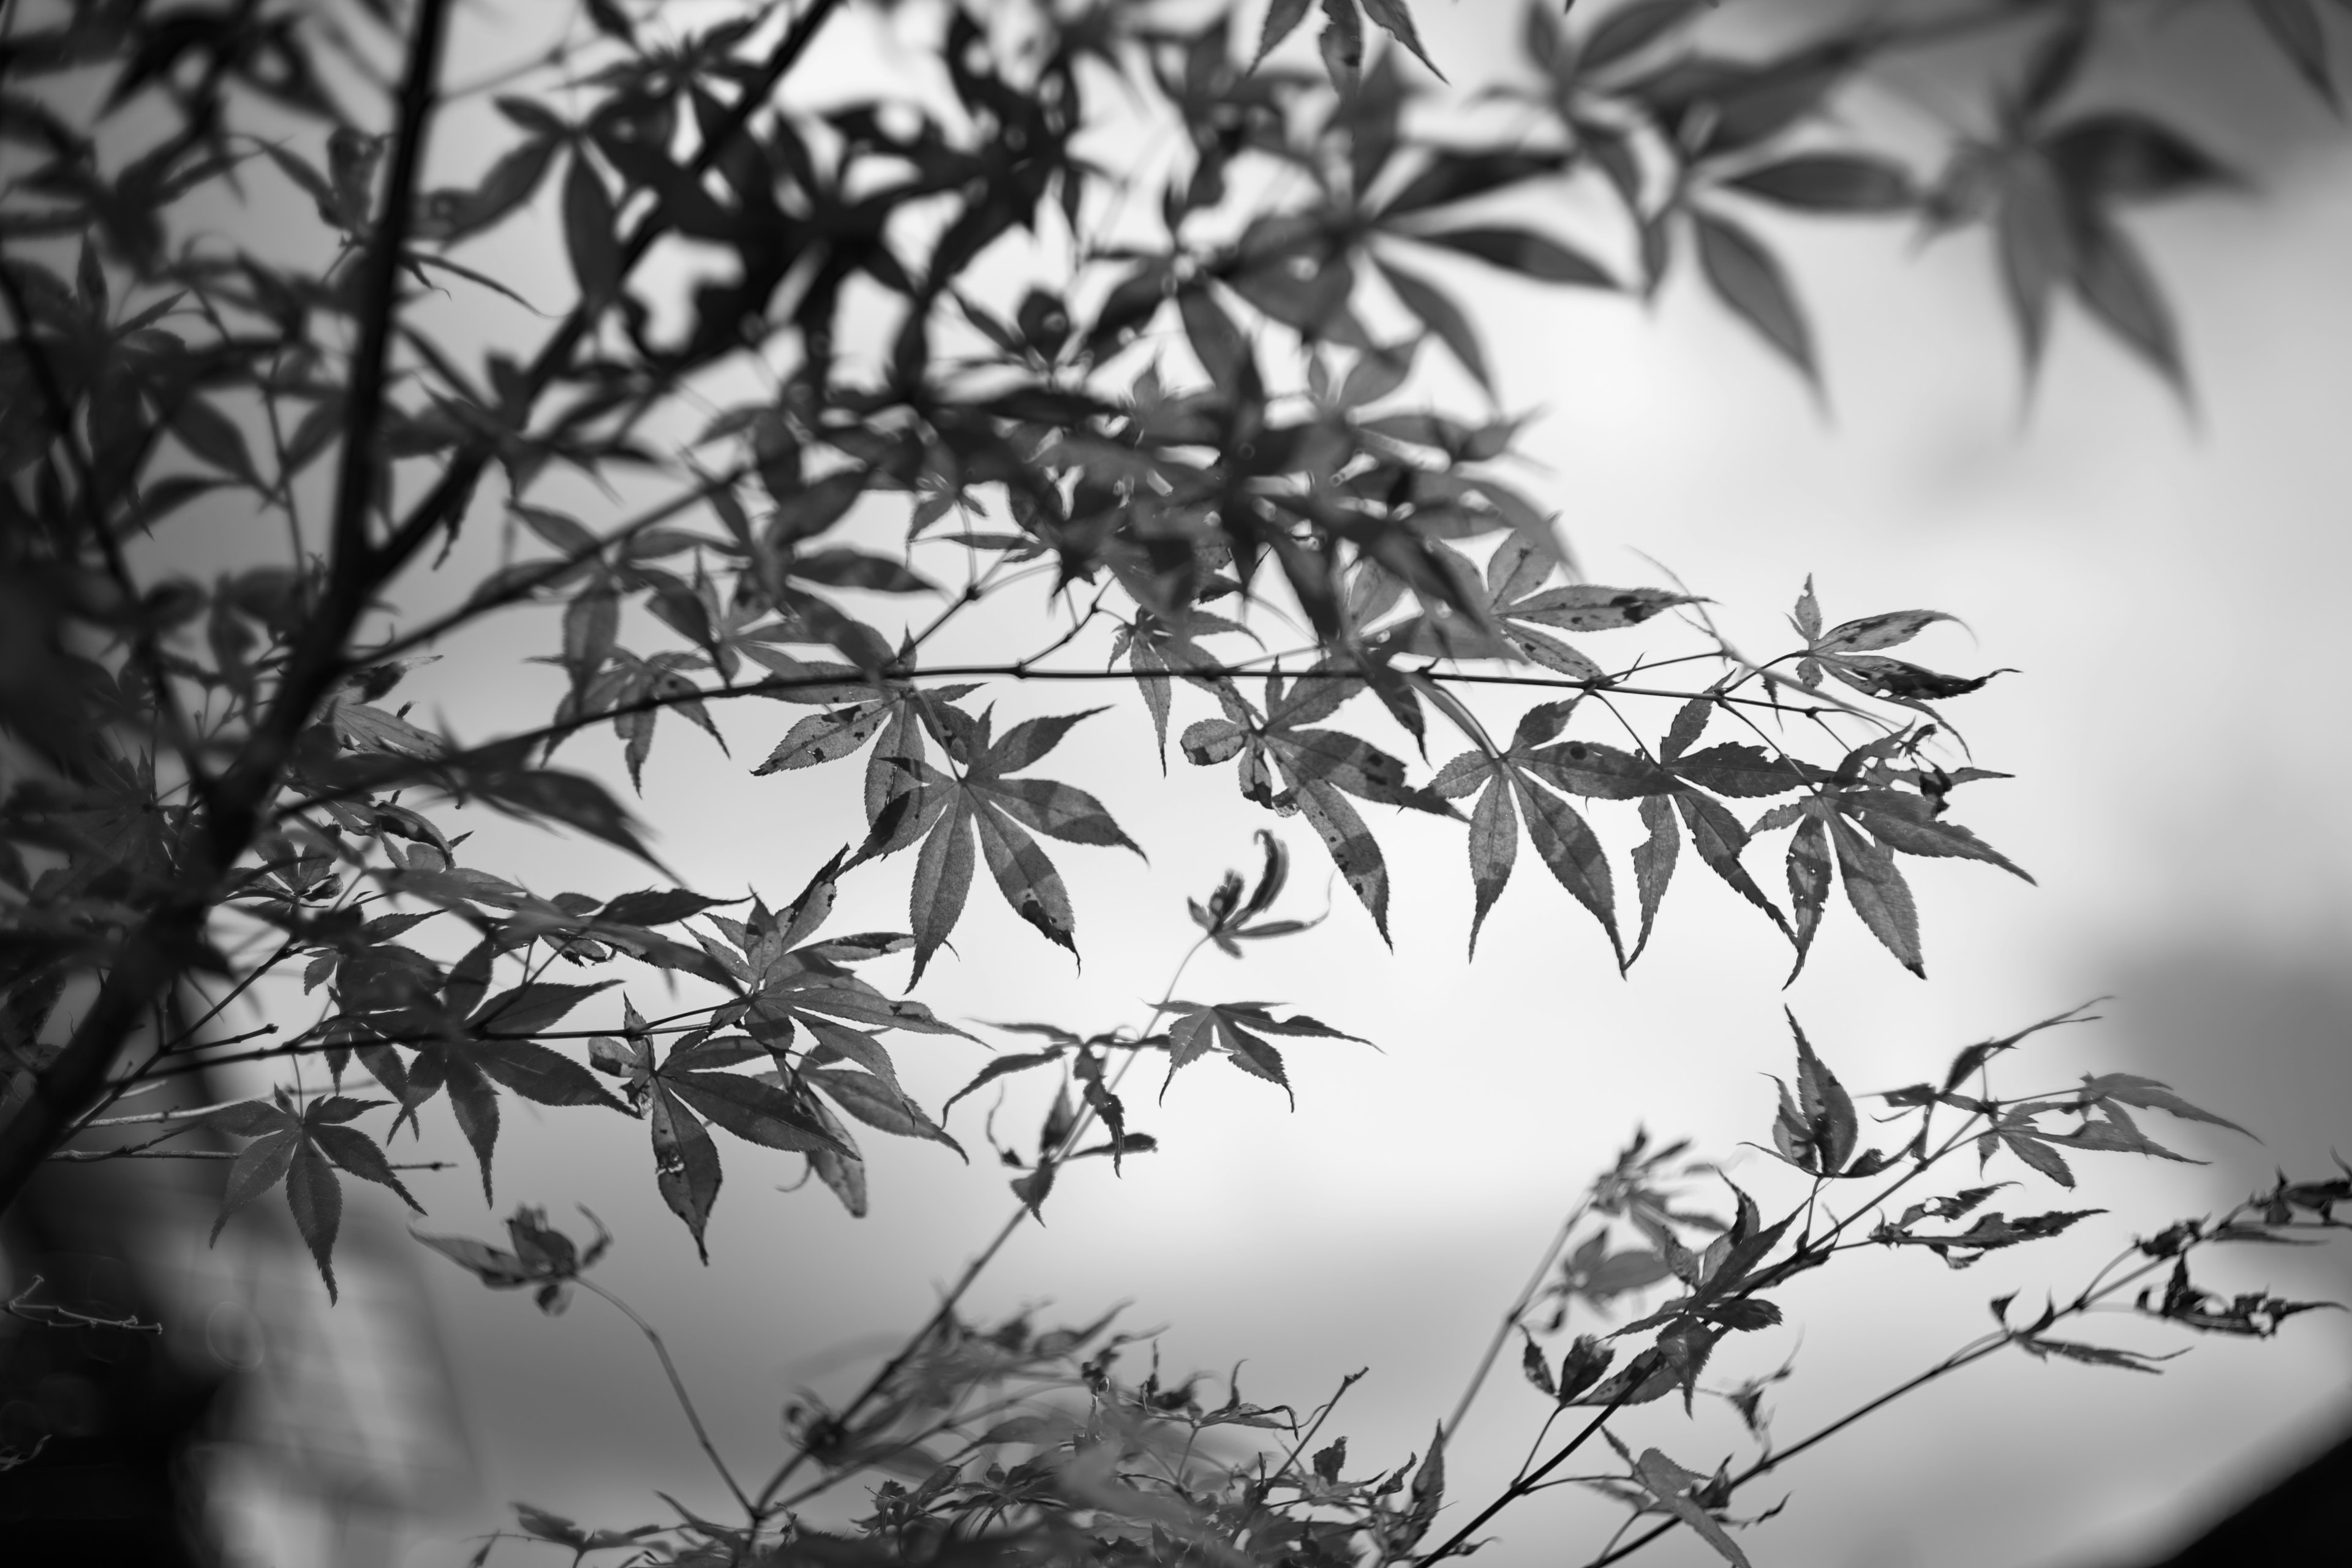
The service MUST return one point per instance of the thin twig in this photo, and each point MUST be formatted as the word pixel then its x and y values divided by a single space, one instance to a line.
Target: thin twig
pixel 677 1385
pixel 1517 1309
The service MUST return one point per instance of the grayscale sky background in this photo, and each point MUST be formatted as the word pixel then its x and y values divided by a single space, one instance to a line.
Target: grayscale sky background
pixel 2169 587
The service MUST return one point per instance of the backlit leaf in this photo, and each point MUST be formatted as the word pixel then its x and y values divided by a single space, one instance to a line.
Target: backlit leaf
pixel 1879 894
pixel 1525 252
pixel 316 1199
pixel 1748 278
pixel 686 1164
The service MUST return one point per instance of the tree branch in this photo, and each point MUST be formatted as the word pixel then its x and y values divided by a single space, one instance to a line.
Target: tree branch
pixel 156 952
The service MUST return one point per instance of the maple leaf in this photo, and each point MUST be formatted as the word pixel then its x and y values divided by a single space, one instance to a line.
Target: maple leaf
pixel 302 1151
pixel 1317 770
pixel 1237 1031
pixel 982 798
pixel 1519 782
pixel 1817 1129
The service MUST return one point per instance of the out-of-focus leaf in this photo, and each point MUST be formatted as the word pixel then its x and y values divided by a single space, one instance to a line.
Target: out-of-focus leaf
pixel 1671 1485
pixel 2129 157
pixel 589 236
pixel 1749 280
pixel 1440 314
pixel 1525 252
pixel 2293 26
pixel 2114 284
pixel 1631 29
pixel 1827 182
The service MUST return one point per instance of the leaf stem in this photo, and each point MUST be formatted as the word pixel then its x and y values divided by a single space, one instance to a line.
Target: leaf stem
pixel 677 1385
pixel 1512 1314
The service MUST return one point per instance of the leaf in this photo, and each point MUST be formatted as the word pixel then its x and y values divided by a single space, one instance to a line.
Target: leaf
pixel 1598 772
pixel 843 1174
pixel 1282 19
pixel 1653 864
pixel 1589 607
pixel 1672 1484
pixel 1879 894
pixel 1719 839
pixel 1631 29
pixel 752 1111
pixel 1030 741
pixel 1449 177
pixel 1222 350
pixel 1572 853
pixel 1342 46
pixel 1234 1028
pixel 1026 877
pixel 541 1074
pixel 472 1101
pixel 878 1105
pixel 573 799
pixel 1525 252
pixel 1059 811
pixel 1493 844
pixel 499 1269
pixel 316 1199
pixel 209 435
pixel 1427 1495
pixel 2033 232
pixel 842 568
pixel 1742 772
pixel 2294 26
pixel 1396 19
pixel 1904 822
pixel 2094 1355
pixel 2114 284
pixel 357 1152
pixel 999 1068
pixel 2147 1093
pixel 529 1009
pixel 655 907
pixel 1747 278
pixel 589 238
pixel 1872 632
pixel 1829 1126
pixel 686 1164
pixel 2039 1155
pixel 1689 725
pixel 825 737
pixel 1351 847
pixel 2119 157
pixel 1832 183
pixel 1902 683
pixel 261 1166
pixel 943 880
pixel 1439 313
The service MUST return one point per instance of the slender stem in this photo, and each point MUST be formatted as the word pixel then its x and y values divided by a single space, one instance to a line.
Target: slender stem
pixel 1524 1485
pixel 351 558
pixel 677 1386
pixel 1515 1311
